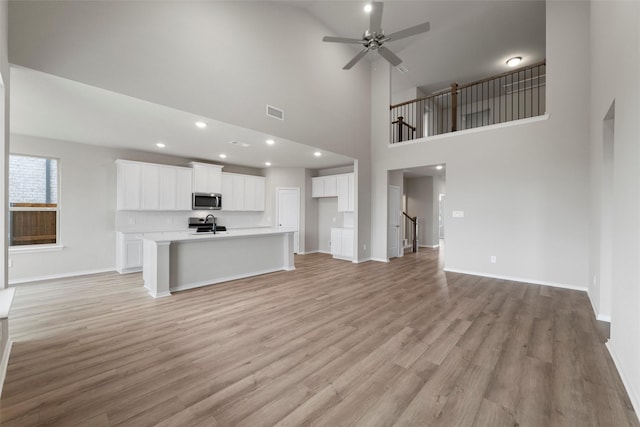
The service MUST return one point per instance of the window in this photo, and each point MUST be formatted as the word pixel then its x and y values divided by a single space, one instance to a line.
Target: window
pixel 33 201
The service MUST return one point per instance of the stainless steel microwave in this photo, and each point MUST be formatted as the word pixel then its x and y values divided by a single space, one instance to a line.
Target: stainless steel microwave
pixel 206 201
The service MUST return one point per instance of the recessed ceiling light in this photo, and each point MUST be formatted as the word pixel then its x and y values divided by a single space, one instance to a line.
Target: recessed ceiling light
pixel 160 145
pixel 201 125
pixel 512 62
pixel 223 156
pixel 368 7
pixel 317 154
pixel 267 163
pixel 270 142
pixel 439 167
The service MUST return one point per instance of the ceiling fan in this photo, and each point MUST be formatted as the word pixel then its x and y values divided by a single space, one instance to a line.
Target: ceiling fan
pixel 374 38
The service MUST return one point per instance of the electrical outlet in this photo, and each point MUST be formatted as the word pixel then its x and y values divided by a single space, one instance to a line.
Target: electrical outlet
pixel 10 262
pixel 494 259
pixel 364 247
pixel 594 279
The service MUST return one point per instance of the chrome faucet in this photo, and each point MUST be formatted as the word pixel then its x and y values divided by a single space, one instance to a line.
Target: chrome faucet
pixel 206 221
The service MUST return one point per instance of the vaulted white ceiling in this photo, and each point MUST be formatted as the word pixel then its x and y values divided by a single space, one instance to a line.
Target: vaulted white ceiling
pixel 48 106
pixel 468 40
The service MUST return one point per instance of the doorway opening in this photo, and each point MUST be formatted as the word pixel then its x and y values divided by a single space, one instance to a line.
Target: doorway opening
pixel 422 202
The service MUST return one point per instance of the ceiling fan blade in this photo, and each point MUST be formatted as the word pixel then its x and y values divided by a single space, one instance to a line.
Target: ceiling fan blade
pixel 375 22
pixel 408 32
pixel 356 58
pixel 341 40
pixel 389 56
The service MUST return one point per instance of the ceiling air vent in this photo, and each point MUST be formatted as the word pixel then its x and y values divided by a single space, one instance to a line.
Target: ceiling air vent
pixel 274 112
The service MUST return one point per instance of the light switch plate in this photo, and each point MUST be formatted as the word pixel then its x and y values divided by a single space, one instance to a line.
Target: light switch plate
pixel 458 214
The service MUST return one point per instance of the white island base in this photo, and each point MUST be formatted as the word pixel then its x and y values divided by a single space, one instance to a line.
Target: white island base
pixel 191 261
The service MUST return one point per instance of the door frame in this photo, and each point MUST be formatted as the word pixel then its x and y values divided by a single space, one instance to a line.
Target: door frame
pixel 296 235
pixel 399 237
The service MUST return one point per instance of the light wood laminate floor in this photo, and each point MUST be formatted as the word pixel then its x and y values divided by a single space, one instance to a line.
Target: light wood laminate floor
pixel 330 344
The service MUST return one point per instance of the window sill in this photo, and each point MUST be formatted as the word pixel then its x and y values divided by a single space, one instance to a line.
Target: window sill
pixel 35 248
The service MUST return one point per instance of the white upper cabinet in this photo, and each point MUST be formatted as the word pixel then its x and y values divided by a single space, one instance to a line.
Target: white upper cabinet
pixel 129 185
pixel 255 187
pixel 152 187
pixel 342 186
pixel 206 178
pixel 243 192
pixel 346 193
pixel 175 188
pixel 184 178
pixel 324 186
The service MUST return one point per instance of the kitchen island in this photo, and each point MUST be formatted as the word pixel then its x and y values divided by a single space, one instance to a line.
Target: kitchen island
pixel 190 260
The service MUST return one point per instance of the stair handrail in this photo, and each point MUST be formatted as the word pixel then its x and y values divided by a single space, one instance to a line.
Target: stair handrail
pixel 414 222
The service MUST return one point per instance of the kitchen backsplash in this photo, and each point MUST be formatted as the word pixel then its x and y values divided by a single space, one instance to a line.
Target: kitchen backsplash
pixel 138 221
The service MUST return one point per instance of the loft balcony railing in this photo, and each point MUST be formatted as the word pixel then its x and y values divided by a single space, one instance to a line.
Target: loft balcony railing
pixel 514 95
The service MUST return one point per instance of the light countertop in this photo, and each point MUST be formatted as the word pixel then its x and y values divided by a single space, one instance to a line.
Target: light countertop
pixel 185 236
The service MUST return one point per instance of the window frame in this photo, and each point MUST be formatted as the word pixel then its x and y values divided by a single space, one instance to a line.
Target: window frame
pixel 37 247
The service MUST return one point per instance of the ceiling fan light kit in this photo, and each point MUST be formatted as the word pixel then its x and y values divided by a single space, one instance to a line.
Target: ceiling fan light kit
pixel 374 38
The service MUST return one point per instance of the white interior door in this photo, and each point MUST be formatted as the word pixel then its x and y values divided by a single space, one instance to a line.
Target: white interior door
pixel 288 203
pixel 393 234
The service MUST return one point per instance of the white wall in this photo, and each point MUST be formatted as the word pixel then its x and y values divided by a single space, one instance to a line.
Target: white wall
pixel 328 216
pixel 4 134
pixel 615 67
pixel 5 344
pixel 225 60
pixel 523 188
pixel 311 238
pixel 439 187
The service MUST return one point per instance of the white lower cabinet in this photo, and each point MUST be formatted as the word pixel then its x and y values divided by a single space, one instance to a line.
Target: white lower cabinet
pixel 342 243
pixel 128 252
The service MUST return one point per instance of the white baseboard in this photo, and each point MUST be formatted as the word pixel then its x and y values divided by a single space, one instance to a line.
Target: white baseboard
pixel 59 276
pixel 625 380
pixel 323 252
pixel 379 259
pixel 160 294
pixel 598 316
pixel 4 363
pixel 129 270
pixel 358 261
pixel 430 247
pixel 518 279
